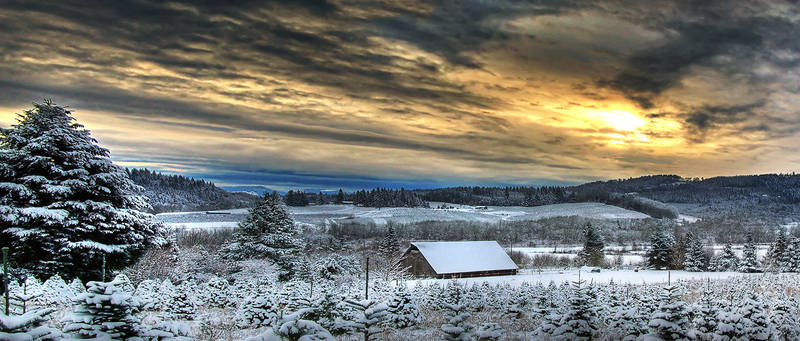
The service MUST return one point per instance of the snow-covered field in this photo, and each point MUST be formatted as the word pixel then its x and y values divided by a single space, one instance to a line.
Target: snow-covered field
pixel 604 276
pixel 326 214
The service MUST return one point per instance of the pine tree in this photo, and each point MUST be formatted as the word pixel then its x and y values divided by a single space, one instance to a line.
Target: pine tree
pixel 592 253
pixel 791 257
pixel 489 331
pixel 695 254
pixel 727 261
pixel 257 312
pixel 216 293
pixel 370 317
pixel 730 325
pixel 670 321
pixel 580 322
pixel 268 232
pixel 660 254
pixel 339 197
pixel 755 318
pixel 29 326
pixel 403 310
pixel 784 318
pixel 456 313
pixel 104 311
pixel 705 319
pixel 181 304
pixel 389 247
pixel 63 203
pixel 749 261
pixel 776 251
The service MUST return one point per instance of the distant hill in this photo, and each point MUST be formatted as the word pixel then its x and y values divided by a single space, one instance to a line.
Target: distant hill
pixel 252 189
pixel 174 193
pixel 774 188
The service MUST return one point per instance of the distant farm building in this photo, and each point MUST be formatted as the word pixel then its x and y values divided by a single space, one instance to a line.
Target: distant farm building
pixel 458 259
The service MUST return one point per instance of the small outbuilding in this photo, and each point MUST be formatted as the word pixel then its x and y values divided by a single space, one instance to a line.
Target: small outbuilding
pixel 458 259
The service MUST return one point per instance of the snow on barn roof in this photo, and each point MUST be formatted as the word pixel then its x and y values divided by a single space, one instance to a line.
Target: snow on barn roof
pixel 471 256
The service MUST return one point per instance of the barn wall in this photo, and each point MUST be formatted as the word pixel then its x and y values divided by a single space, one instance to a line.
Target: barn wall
pixel 417 265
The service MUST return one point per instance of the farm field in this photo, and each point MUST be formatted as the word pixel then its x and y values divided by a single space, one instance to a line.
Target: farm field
pixel 331 214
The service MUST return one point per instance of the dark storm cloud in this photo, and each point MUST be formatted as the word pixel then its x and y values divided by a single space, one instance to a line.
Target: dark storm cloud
pixel 653 71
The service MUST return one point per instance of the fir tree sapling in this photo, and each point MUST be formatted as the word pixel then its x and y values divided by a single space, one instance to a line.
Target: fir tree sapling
pixel 456 313
pixel 580 321
pixel 754 315
pixel 705 317
pixel 403 310
pixel 670 321
pixel 104 311
pixel 369 318
pixel 29 326
pixel 257 312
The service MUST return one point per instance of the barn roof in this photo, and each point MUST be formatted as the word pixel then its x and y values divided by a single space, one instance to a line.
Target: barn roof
pixel 471 256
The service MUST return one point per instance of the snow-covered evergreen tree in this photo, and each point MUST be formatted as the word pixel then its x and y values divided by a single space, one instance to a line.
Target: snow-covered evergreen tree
pixel 660 254
pixel 592 252
pixel 749 261
pixel 705 317
pixel 489 331
pixel 403 310
pixel 791 257
pixel 389 246
pixel 774 258
pixel 181 304
pixel 268 232
pixel 216 293
pixel 755 318
pixel 456 311
pixel 727 261
pixel 29 326
pixel 103 312
pixel 670 321
pixel 63 203
pixel 784 319
pixel 370 317
pixel 730 324
pixel 56 292
pixel 695 254
pixel 257 312
pixel 580 321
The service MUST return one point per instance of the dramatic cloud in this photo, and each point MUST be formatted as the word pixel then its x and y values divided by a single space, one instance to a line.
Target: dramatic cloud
pixel 402 92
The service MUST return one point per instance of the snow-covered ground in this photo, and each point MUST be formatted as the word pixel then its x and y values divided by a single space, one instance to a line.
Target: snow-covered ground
pixel 343 213
pixel 604 276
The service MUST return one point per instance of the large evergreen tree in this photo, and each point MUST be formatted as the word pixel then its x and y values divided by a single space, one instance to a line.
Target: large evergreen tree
pixel 660 254
pixel 695 259
pixel 592 253
pixel 268 232
pixel 749 261
pixel 63 203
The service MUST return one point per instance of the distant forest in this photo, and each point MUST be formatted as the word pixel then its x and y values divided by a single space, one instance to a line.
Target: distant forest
pixel 171 193
pixel 747 194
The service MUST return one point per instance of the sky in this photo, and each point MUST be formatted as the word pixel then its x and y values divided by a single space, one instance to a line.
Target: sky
pixel 314 94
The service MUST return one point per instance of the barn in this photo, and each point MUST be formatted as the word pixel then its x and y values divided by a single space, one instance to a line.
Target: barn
pixel 457 259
